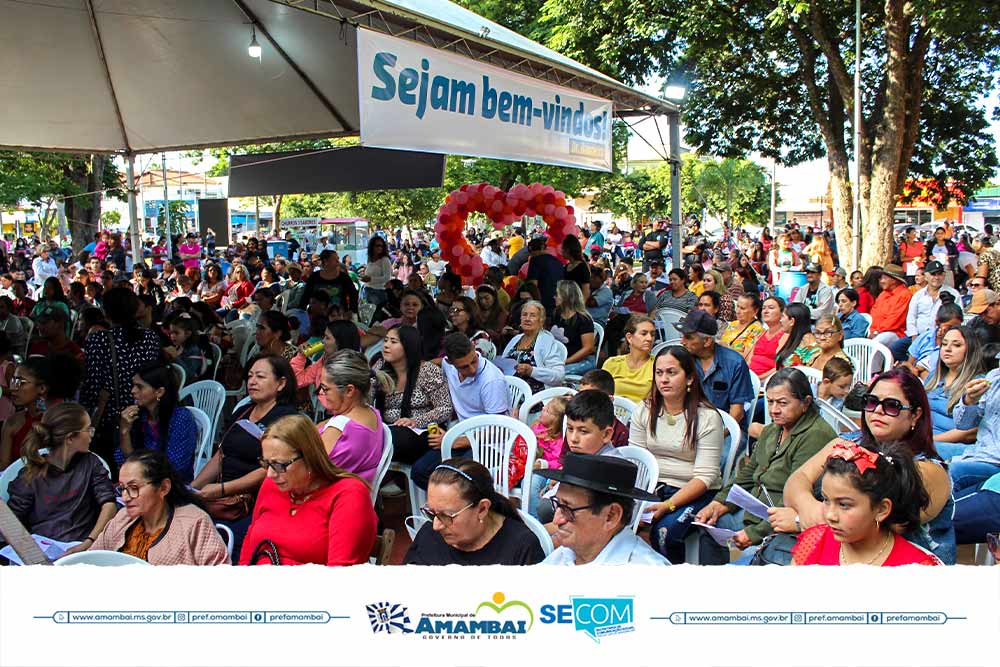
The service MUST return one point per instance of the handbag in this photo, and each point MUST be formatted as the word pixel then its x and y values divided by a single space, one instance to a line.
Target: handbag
pixel 230 507
pixel 266 548
pixel 776 549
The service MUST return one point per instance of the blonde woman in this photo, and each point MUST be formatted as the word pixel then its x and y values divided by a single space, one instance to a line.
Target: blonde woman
pixel 308 509
pixel 818 251
pixel 633 371
pixel 64 491
pixel 960 360
pixel 573 326
pixel 239 292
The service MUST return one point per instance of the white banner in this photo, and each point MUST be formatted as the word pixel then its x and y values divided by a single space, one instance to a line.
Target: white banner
pixel 415 97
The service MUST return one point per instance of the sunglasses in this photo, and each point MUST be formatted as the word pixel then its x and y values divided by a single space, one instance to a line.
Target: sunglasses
pixel 890 406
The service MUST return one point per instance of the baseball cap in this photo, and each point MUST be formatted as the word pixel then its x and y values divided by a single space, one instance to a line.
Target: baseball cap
pixel 698 321
pixel 813 267
pixel 840 271
pixel 723 267
pixel 982 300
pixel 934 266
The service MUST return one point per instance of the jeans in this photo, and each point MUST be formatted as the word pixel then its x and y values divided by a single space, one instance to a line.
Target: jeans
pixel 375 296
pixel 900 348
pixel 711 552
pixel 977 512
pixel 581 367
pixel 966 475
pixel 668 532
pixel 887 338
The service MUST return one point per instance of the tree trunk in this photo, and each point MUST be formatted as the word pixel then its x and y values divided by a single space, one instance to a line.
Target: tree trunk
pixel 840 187
pixel 83 213
pixel 276 220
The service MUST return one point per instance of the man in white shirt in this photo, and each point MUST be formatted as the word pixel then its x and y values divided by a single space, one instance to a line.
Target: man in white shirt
pixel 921 314
pixel 492 254
pixel 477 387
pixel 435 264
pixel 43 266
pixel 593 511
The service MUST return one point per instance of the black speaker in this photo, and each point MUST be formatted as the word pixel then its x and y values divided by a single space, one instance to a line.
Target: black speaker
pixel 214 214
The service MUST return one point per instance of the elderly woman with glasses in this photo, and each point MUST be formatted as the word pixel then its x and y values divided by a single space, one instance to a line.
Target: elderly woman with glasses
pixel 308 509
pixel 162 522
pixel 538 358
pixel 469 523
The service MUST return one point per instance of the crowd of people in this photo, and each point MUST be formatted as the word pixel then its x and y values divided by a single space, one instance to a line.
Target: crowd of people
pixel 328 355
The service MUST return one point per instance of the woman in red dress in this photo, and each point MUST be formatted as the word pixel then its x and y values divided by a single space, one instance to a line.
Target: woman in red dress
pixel 867 494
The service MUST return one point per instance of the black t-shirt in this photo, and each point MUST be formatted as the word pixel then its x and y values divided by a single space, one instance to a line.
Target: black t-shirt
pixel 697 240
pixel 579 273
pixel 574 328
pixel 548 271
pixel 514 544
pixel 661 236
pixel 341 290
pixel 240 450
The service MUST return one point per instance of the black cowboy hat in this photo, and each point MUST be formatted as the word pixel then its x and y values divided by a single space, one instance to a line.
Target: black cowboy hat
pixel 604 474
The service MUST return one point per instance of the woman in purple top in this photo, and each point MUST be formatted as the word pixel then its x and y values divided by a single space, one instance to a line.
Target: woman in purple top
pixel 353 437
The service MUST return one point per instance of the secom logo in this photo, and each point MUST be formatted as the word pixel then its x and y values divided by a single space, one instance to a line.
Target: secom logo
pixel 597 617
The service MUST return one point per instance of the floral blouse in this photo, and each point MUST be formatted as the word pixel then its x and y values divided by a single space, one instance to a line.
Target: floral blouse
pixel 741 337
pixel 429 403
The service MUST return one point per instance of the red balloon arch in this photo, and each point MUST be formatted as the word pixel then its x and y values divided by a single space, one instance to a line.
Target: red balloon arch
pixel 502 208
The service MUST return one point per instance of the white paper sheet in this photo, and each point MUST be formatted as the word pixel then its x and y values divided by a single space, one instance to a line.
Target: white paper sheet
pixel 506 365
pixel 740 496
pixel 251 428
pixel 52 549
pixel 720 535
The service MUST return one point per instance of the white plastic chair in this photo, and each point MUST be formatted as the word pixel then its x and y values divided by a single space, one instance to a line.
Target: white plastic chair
pixel 245 401
pixel 203 452
pixel 865 355
pixel 541 398
pixel 383 463
pixel 29 327
pixel 732 446
pixel 834 417
pixel 373 350
pixel 623 409
pixel 536 527
pixel 647 477
pixel 179 374
pixel 227 537
pixel 868 318
pixel 250 349
pixel 8 476
pixel 664 345
pixel 814 376
pixel 102 558
pixel 216 359
pixel 518 392
pixel 751 407
pixel 598 341
pixel 665 320
pixel 208 396
pixel 492 438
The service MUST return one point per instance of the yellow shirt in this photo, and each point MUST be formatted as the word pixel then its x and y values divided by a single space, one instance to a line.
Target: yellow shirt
pixel 632 384
pixel 697 287
pixel 514 243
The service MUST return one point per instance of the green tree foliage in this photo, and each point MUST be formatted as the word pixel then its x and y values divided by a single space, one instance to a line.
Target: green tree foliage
pixel 179 212
pixel 776 76
pixel 734 190
pixel 636 196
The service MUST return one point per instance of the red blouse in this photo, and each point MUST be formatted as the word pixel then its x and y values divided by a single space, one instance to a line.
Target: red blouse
pixel 865 300
pixel 818 546
pixel 335 526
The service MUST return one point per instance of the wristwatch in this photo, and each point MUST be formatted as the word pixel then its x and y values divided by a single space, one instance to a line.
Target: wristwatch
pixel 798 525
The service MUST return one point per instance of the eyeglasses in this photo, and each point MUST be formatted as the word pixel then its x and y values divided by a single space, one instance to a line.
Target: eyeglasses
pixel 131 491
pixel 826 333
pixel 455 311
pixel 567 511
pixel 890 406
pixel 90 431
pixel 444 517
pixel 16 382
pixel 977 284
pixel 279 467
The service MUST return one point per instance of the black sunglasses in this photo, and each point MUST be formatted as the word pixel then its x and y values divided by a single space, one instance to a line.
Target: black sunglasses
pixel 890 406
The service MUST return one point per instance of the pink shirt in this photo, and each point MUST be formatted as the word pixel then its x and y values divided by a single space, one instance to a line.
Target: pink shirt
pixel 358 449
pixel 193 249
pixel 552 449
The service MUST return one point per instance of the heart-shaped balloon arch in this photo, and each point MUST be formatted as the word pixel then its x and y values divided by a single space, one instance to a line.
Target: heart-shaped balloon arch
pixel 502 208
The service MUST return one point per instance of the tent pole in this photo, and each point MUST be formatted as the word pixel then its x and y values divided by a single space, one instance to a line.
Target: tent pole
pixel 166 206
pixel 133 212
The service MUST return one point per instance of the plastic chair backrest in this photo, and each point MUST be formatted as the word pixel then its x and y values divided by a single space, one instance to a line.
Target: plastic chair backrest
pixel 103 558
pixel 203 452
pixel 647 477
pixel 374 349
pixel 536 527
pixel 518 392
pixel 668 317
pixel 868 318
pixel 664 345
pixel 227 537
pixel 598 339
pixel 179 374
pixel 732 446
pixel 492 439
pixel 8 476
pixel 541 398
pixel 814 376
pixel 623 409
pixel 29 327
pixel 216 359
pixel 751 407
pixel 383 463
pixel 834 417
pixel 865 354
pixel 245 401
pixel 208 396
pixel 249 350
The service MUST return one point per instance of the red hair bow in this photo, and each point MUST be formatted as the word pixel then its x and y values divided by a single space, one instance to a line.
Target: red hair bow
pixel 849 451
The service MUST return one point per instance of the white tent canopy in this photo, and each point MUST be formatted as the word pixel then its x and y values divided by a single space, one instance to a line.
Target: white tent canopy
pixel 135 76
